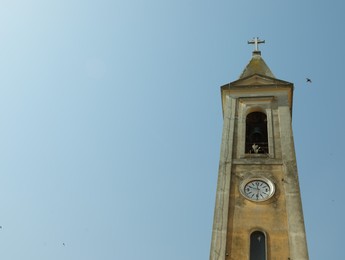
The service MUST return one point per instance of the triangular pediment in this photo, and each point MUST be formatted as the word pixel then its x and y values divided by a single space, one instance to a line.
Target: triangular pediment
pixel 258 80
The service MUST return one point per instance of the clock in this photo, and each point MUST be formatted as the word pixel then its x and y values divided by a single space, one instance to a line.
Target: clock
pixel 257 189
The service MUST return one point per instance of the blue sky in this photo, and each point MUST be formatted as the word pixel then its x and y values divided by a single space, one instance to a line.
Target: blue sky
pixel 110 121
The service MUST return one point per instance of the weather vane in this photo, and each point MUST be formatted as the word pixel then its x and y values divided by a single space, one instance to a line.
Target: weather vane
pixel 256 41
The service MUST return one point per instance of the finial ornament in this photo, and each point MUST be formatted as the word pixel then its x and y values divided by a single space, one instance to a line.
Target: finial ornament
pixel 256 41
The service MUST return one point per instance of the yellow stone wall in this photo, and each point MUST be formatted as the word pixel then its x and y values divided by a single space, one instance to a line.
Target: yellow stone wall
pixel 280 217
pixel 246 216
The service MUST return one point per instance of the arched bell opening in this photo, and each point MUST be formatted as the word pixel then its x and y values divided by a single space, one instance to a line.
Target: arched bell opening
pixel 256 133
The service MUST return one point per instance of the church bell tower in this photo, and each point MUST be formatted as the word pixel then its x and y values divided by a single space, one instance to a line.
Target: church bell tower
pixel 258 212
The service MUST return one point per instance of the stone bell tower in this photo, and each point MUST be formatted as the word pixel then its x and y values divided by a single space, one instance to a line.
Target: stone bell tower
pixel 258 212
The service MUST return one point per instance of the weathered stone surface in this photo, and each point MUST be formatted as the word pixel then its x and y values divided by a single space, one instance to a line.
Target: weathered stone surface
pixel 280 218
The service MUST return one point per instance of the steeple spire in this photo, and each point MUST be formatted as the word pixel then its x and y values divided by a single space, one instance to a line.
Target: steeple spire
pixel 256 65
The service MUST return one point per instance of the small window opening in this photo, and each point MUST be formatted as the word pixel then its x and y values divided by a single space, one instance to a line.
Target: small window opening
pixel 257 246
pixel 256 133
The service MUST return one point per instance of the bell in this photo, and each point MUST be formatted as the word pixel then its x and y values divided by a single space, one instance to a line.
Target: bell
pixel 256 134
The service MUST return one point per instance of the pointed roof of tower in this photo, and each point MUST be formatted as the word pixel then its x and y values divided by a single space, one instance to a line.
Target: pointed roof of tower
pixel 257 66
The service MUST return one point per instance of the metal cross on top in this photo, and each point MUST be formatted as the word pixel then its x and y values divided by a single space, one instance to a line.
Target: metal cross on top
pixel 256 42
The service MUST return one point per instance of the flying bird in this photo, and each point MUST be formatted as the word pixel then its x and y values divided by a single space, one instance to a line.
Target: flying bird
pixel 308 80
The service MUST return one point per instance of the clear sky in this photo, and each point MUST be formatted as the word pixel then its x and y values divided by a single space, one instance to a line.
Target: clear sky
pixel 111 121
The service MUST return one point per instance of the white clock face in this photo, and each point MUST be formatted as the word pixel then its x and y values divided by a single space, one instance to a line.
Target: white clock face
pixel 258 189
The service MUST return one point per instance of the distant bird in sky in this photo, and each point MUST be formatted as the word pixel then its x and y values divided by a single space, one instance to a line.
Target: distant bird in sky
pixel 63 244
pixel 308 80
